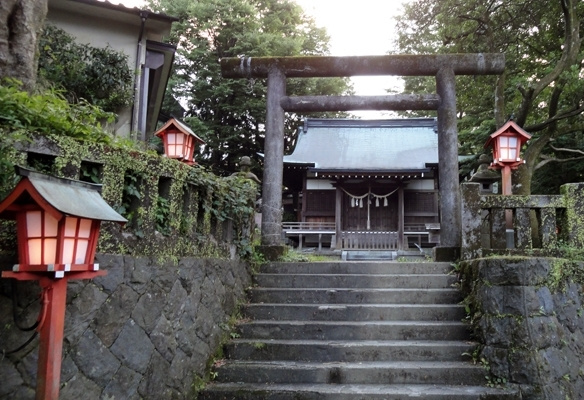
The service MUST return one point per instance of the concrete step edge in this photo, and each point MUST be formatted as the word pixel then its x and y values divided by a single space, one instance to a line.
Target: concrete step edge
pixel 355 343
pixel 351 275
pixel 284 364
pixel 354 323
pixel 407 390
pixel 353 305
pixel 351 290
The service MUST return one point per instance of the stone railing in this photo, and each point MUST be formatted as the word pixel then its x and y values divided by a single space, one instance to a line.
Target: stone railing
pixel 538 222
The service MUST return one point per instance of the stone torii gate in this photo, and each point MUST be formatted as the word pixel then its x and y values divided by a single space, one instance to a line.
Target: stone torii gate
pixel 443 67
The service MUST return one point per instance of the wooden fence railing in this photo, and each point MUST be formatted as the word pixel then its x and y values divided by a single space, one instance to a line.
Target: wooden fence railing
pixel 308 226
pixel 367 240
pixel 353 239
pixel 308 229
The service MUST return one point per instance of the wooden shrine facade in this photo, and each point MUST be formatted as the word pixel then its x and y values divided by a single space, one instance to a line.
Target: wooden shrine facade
pixel 363 184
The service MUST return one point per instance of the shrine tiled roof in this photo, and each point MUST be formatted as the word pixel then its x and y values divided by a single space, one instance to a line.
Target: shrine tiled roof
pixel 351 144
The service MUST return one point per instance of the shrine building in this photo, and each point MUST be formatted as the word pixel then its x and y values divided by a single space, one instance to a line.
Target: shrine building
pixel 363 184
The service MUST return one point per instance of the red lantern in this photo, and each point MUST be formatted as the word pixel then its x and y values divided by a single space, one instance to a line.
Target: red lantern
pixel 45 240
pixel 179 141
pixel 57 224
pixel 507 143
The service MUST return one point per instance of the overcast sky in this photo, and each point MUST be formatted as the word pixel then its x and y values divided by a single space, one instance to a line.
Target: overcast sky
pixel 359 28
pixel 356 28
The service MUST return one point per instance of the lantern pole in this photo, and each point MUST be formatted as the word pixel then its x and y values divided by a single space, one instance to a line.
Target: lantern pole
pixel 53 271
pixel 51 327
pixel 507 190
pixel 51 343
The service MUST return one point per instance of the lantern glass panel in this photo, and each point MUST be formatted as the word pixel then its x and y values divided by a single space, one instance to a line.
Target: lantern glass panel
pixel 171 144
pixel 34 225
pixel 84 228
pixel 68 249
pixel 70 227
pixel 189 148
pixel 508 148
pixel 41 236
pixel 35 251
pixel 175 145
pixel 81 253
pixel 76 240
pixel 74 251
pixel 512 148
pixel 50 251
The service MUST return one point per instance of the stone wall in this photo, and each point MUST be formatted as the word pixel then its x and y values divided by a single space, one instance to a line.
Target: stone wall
pixel 144 330
pixel 528 315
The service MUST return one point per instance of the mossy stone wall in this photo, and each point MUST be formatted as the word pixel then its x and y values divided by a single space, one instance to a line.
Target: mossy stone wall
pixel 146 330
pixel 528 315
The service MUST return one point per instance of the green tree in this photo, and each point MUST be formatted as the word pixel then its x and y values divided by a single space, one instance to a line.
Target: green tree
pixel 230 114
pixel 99 75
pixel 542 87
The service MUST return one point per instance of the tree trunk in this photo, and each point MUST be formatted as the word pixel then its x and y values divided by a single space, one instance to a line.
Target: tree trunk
pixel 20 25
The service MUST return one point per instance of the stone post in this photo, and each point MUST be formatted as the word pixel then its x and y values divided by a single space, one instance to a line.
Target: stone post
pixel 274 156
pixel 573 225
pixel 450 226
pixel 471 221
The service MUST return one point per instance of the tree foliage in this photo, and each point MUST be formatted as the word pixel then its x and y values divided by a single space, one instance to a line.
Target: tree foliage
pixel 101 76
pixel 229 114
pixel 542 87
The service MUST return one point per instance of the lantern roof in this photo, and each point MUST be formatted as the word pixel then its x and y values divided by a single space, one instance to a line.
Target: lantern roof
pixel 58 196
pixel 510 126
pixel 181 126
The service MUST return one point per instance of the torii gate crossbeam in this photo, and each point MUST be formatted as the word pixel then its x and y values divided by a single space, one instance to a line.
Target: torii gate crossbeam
pixel 444 67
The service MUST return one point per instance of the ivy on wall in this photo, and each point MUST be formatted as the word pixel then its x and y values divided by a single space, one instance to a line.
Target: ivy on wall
pixel 192 219
pixel 173 209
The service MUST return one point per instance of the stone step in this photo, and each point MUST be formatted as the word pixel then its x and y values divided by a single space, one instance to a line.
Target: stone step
pixel 425 281
pixel 397 372
pixel 357 267
pixel 355 312
pixel 348 350
pixel 359 330
pixel 352 331
pixel 247 391
pixel 354 296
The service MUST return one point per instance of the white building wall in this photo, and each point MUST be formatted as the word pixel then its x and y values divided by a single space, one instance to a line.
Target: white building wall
pixel 100 27
pixel 421 184
pixel 319 184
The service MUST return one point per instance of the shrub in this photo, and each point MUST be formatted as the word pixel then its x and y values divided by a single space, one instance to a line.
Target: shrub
pixel 101 76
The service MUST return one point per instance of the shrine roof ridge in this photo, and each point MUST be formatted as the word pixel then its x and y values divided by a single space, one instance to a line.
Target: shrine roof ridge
pixel 370 123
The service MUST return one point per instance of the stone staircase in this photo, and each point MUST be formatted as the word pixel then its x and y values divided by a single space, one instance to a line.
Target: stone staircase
pixel 352 330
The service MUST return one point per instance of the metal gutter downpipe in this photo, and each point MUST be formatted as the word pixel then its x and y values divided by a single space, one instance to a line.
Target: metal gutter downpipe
pixel 138 77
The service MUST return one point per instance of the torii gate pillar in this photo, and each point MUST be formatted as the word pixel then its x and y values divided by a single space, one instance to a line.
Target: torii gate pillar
pixel 450 218
pixel 274 156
